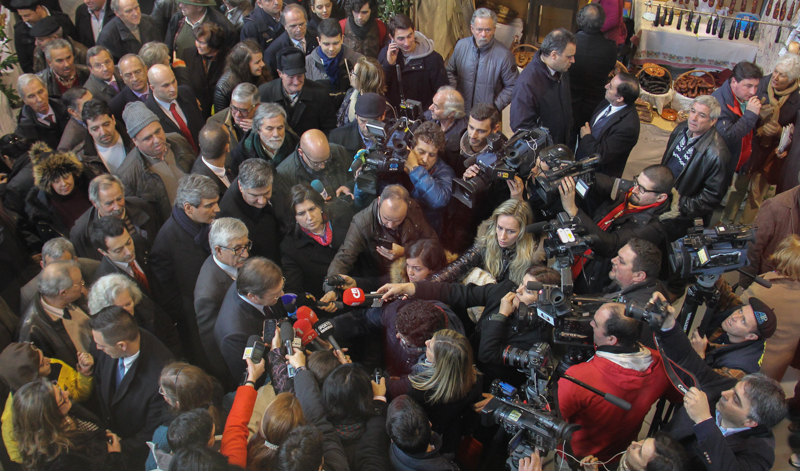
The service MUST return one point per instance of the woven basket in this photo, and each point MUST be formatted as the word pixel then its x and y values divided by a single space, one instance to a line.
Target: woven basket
pixel 523 54
pixel 620 67
pixel 682 102
pixel 659 101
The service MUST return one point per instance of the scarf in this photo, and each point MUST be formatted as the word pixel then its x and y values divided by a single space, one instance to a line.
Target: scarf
pixel 198 231
pixel 332 66
pixel 325 239
pixel 776 99
pixel 361 32
pixel 621 210
pixel 352 431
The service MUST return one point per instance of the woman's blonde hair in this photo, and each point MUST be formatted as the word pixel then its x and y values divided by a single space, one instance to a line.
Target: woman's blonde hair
pixel 39 427
pixel 525 247
pixel 787 257
pixel 369 78
pixel 453 373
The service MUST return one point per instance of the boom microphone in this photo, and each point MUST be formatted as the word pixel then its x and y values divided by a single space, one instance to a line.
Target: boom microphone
pixel 357 297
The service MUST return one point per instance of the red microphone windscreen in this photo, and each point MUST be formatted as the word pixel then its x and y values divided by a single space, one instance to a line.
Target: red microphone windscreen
pixel 354 297
pixel 305 312
pixel 304 331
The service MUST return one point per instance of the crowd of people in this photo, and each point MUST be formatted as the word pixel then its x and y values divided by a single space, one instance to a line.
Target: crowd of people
pixel 186 176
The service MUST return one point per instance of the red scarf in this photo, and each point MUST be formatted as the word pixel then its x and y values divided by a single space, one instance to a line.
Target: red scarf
pixel 606 222
pixel 747 141
pixel 325 239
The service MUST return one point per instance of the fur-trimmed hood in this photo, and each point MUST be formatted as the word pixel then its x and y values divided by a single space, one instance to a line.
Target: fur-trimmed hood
pixel 48 166
pixel 398 274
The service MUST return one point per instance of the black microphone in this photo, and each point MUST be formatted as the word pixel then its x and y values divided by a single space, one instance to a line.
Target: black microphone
pixel 287 336
pixel 534 286
pixel 537 227
pixel 325 330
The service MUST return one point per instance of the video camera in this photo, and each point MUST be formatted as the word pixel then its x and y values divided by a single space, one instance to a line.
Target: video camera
pixel 502 162
pixel 711 251
pixel 393 142
pixel 562 164
pixel 653 314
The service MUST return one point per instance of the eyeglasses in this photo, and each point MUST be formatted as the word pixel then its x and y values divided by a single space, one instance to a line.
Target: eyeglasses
pixel 81 284
pixel 280 293
pixel 238 251
pixel 641 188
pixel 316 165
pixel 240 111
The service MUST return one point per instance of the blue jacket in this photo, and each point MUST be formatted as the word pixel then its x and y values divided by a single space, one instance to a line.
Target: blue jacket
pixel 433 190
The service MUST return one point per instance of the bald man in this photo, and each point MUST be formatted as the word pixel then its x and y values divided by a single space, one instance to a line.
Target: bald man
pixel 175 106
pixel 316 159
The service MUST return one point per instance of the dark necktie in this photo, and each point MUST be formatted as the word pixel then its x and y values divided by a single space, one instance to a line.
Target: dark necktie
pixel 139 277
pixel 120 370
pixel 50 119
pixel 182 125
pixel 114 85
pixel 67 316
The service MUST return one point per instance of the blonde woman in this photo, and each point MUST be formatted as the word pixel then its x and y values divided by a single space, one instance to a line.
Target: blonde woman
pixel 366 77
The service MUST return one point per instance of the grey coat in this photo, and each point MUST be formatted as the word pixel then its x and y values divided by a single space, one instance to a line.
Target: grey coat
pixel 482 75
pixel 140 181
pixel 100 89
pixel 209 292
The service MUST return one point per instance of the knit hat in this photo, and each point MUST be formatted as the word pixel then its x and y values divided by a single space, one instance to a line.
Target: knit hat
pixel 765 318
pixel 370 106
pixel 137 116
pixel 48 166
pixel 45 27
pixel 19 365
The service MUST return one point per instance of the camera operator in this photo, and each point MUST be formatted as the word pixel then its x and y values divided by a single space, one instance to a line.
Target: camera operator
pixel 623 367
pixel 503 329
pixel 738 435
pixel 431 177
pixel 733 340
pixel 660 452
pixel 628 211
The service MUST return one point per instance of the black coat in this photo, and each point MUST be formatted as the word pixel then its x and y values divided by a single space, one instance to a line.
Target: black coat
pixel 136 209
pixel 262 224
pixel 617 136
pixel 118 103
pixel 176 23
pixel 100 89
pixel 188 104
pixel 51 81
pixel 249 148
pixel 314 109
pixel 134 409
pixel 237 321
pixel 200 168
pixel 349 137
pixel 333 176
pixel 30 127
pixel 209 292
pixel 107 267
pixel 25 44
pixel 261 27
pixel 595 57
pixel 305 262
pixel 204 83
pixel 20 182
pixel 89 450
pixel 83 22
pixel 422 77
pixel 282 42
pixel 120 41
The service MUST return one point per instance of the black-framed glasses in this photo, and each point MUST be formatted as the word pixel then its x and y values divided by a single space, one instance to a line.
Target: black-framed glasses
pixel 316 165
pixel 641 188
pixel 240 111
pixel 280 293
pixel 238 251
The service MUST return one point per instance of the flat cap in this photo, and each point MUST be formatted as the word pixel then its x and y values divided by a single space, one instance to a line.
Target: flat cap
pixel 291 61
pixel 45 27
pixel 370 105
pixel 25 4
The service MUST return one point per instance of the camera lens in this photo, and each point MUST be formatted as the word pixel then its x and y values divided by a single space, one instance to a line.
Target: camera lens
pixel 515 357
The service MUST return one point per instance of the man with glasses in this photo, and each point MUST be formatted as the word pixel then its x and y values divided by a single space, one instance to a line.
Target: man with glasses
pixel 249 302
pixel 296 35
pixel 134 75
pixel 238 118
pixel 230 248
pixel 628 210
pixel 316 159
pixel 56 321
pixel 249 200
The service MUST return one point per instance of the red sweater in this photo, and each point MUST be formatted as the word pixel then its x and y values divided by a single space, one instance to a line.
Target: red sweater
pixel 234 438
pixel 605 428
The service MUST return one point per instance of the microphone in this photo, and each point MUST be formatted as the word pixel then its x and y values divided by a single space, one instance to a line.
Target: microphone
pixel 305 313
pixel 317 185
pixel 534 286
pixel 289 302
pixel 287 335
pixel 325 330
pixel 357 297
pixel 304 330
pixel 537 227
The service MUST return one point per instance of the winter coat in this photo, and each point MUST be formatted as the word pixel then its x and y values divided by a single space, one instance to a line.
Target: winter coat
pixel 371 44
pixel 25 44
pixel 733 124
pixel 315 70
pixel 427 461
pixel 334 175
pixel 30 127
pixel 213 15
pixel 313 110
pixel 433 189
pixel 595 57
pixel 422 73
pixel 51 82
pixel 482 74
pixel 542 99
pixel 120 40
pixel 50 336
pixel 44 216
pixel 20 182
pixel 261 27
pixel 83 22
pixel 223 90
pixel 262 224
pixel 305 262
pixel 732 359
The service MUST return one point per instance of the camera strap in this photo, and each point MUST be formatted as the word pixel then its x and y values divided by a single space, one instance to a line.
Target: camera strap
pixel 668 368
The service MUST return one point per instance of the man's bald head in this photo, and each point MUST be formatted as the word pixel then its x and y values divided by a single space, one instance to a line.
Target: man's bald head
pixel 314 149
pixel 163 83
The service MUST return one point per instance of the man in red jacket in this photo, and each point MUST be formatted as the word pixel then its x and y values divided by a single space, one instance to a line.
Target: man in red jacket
pixel 622 367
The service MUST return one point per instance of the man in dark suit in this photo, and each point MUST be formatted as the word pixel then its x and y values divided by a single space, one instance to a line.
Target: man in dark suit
pixel 127 371
pixel 90 18
pixel 134 74
pixel 41 118
pixel 215 146
pixel 230 247
pixel 250 200
pixel 104 82
pixel 180 249
pixel 307 103
pixel 118 34
pixel 354 135
pixel 122 253
pixel 107 194
pixel 249 302
pixel 176 107
pixel 296 35
pixel 191 14
pixel 613 129
pixel 31 11
pixel 595 57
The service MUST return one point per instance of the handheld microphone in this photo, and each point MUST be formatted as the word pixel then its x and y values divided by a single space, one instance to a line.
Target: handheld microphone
pixel 304 330
pixel 287 335
pixel 320 188
pixel 325 330
pixel 337 304
pixel 305 313
pixel 289 301
pixel 357 297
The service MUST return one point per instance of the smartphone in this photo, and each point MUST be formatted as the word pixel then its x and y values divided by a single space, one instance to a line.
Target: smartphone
pixel 270 325
pixel 386 244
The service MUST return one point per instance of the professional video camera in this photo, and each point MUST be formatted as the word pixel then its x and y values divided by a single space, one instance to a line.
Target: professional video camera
pixel 711 251
pixel 502 162
pixel 562 164
pixel 393 142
